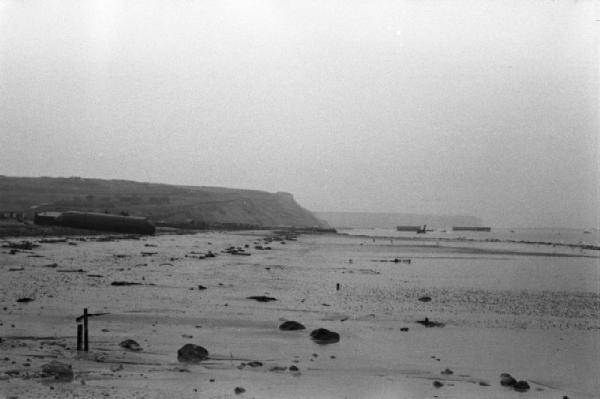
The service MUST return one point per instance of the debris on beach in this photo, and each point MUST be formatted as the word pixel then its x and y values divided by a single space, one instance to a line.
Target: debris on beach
pixel 131 345
pixel 52 240
pixel 236 251
pixel 239 390
pixel 25 300
pixel 428 323
pixel 60 371
pixel 262 298
pixel 425 299
pixel 323 336
pixel 201 287
pixel 16 269
pixel 191 353
pixel 23 245
pixel 291 325
pixel 437 384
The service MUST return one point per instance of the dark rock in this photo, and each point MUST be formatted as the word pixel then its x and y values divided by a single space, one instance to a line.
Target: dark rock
pixel 447 372
pixel 201 287
pixel 239 390
pixel 437 384
pixel 262 298
pixel 428 323
pixel 60 371
pixel 425 299
pixel 124 283
pixel 484 384
pixel 190 353
pixel 323 336
pixel 294 368
pixel 25 300
pixel 255 363
pixel 521 386
pixel 507 380
pixel 404 329
pixel 291 325
pixel 131 345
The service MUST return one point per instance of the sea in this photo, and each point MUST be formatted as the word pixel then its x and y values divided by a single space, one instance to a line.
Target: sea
pixel 588 239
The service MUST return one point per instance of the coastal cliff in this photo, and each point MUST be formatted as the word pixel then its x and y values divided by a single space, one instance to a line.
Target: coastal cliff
pixel 163 204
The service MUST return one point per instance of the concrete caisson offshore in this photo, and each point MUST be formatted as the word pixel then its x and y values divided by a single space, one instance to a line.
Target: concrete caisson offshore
pixel 106 222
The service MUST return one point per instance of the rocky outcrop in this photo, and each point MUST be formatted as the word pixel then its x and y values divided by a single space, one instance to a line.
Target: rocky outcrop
pixel 191 353
pixel 323 336
pixel 291 325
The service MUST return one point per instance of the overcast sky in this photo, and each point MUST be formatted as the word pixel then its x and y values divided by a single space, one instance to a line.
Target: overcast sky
pixel 485 108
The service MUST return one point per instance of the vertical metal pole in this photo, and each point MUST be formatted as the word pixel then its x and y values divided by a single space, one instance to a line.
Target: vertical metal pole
pixel 85 330
pixel 79 336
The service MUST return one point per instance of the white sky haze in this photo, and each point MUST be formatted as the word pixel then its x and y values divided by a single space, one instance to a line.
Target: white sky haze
pixel 485 108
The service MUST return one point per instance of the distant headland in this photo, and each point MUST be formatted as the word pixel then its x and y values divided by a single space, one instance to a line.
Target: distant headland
pixel 163 204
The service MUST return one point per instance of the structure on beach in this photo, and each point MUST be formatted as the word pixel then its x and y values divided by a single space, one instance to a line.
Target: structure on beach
pixel 470 228
pixel 96 221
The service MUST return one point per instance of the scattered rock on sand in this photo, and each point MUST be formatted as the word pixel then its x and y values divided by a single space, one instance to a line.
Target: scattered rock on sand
pixel 521 386
pixel 291 325
pixel 60 371
pixel 262 298
pixel 437 384
pixel 447 372
pixel 323 336
pixel 190 353
pixel 131 345
pixel 239 390
pixel 25 300
pixel 507 380
pixel 425 299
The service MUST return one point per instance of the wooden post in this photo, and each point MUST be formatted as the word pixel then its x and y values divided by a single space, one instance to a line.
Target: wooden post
pixel 85 330
pixel 79 336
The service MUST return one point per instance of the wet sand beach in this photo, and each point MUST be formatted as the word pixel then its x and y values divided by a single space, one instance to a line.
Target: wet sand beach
pixel 493 308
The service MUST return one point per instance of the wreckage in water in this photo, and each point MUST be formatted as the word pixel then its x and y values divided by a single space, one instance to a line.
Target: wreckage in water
pixel 100 221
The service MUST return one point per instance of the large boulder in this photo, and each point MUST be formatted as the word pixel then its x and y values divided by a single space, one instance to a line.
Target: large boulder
pixel 190 353
pixel 323 336
pixel 291 325
pixel 521 386
pixel 507 380
pixel 58 370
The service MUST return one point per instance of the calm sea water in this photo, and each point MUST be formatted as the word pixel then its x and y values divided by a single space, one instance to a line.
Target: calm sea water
pixel 546 235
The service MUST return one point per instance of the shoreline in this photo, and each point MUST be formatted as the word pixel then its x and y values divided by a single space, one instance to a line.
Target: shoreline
pixel 526 315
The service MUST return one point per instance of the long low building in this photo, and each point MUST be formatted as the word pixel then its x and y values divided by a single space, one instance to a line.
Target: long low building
pixel 97 221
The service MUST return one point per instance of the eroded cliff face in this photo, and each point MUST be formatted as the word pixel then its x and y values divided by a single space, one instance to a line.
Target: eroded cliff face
pixel 192 205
